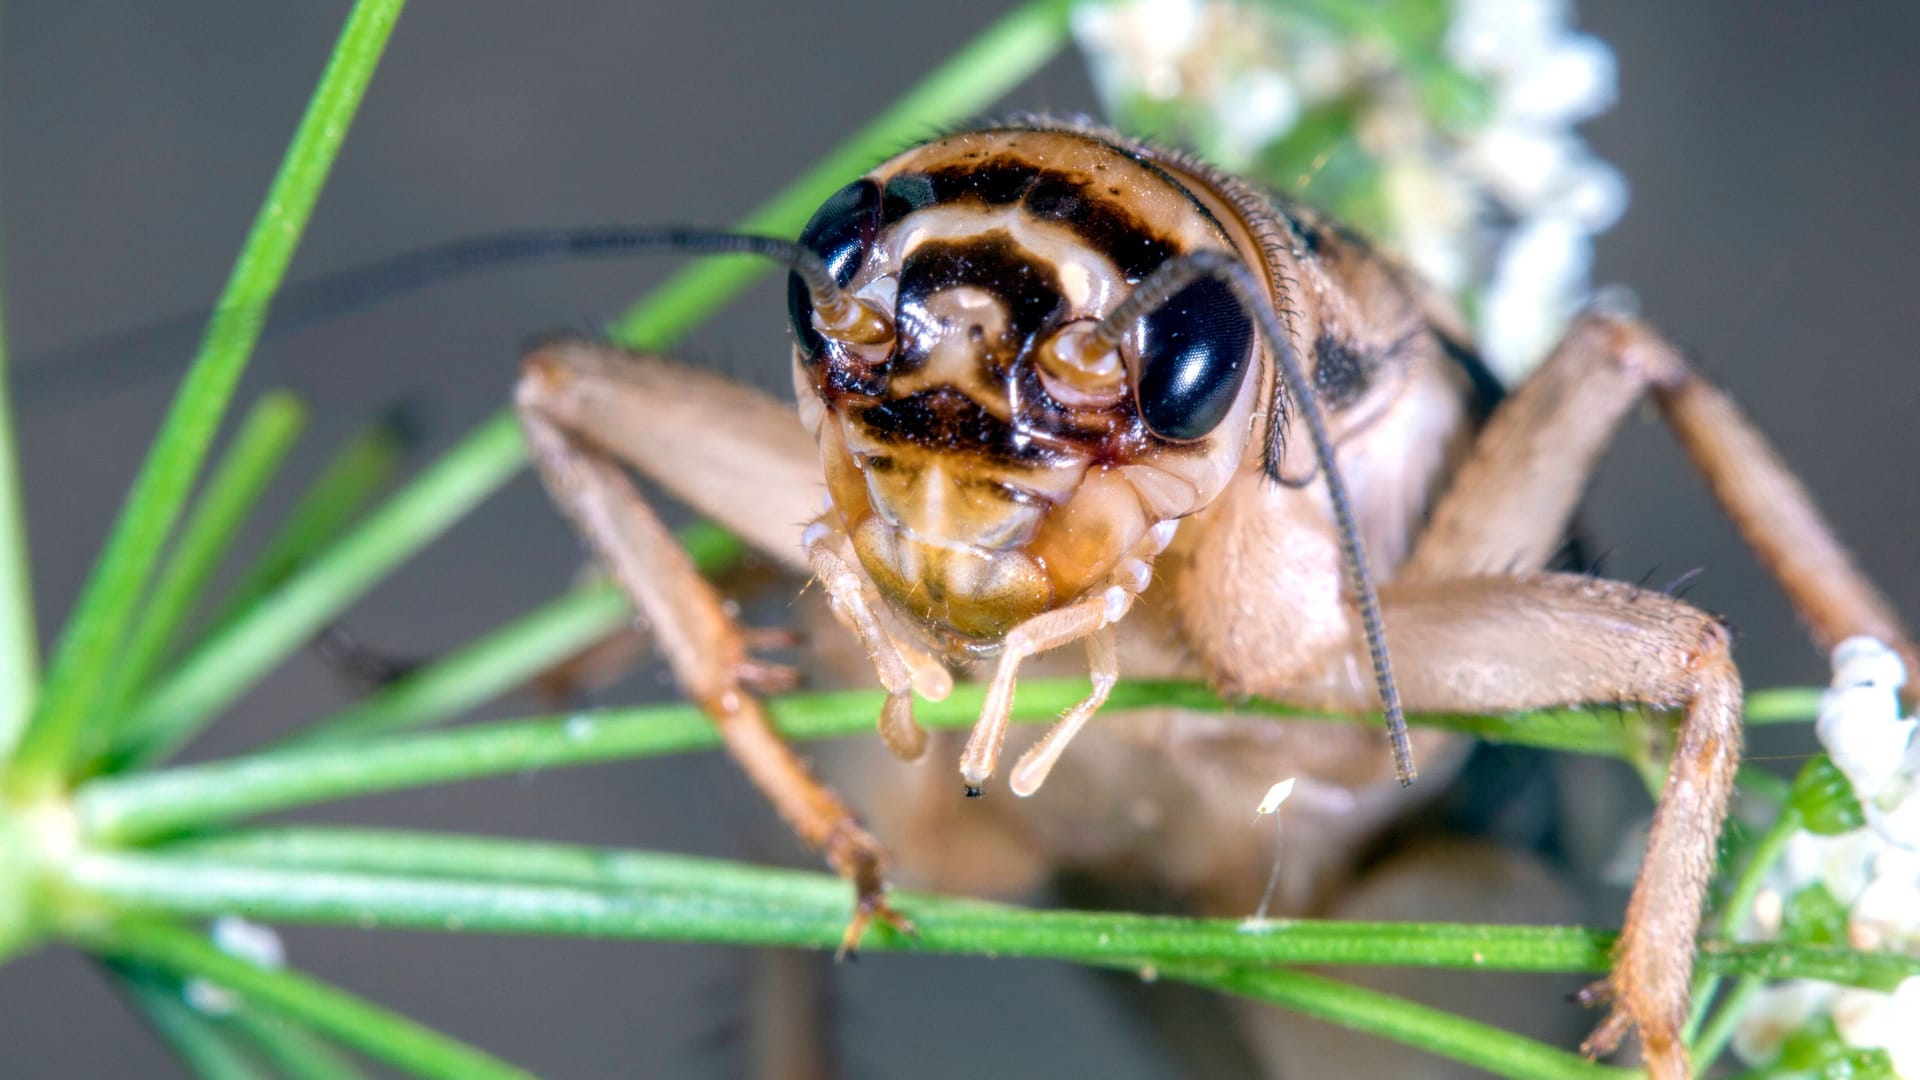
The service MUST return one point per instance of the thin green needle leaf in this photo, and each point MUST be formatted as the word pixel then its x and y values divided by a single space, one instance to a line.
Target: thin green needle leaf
pixel 1501 1053
pixel 132 807
pixel 684 899
pixel 364 464
pixel 510 656
pixel 1788 705
pixel 249 465
pixel 377 1032
pixel 19 645
pixel 210 1052
pixel 220 672
pixel 483 670
pixel 228 662
pixel 77 676
pixel 1718 1031
pixel 290 1048
pixel 381 878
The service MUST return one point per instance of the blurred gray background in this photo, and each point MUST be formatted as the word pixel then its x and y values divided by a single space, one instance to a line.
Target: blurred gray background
pixel 1774 158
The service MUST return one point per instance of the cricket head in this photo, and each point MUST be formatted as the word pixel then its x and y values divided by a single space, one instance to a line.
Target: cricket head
pixel 989 455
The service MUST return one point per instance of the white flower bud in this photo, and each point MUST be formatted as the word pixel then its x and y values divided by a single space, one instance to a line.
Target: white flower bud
pixel 1864 1018
pixel 1255 107
pixel 1524 165
pixel 1594 194
pixel 1843 865
pixel 1887 913
pixel 1895 815
pixel 1846 864
pixel 1572 78
pixel 1904 1045
pixel 1139 45
pixel 1775 1013
pixel 1862 730
pixel 1860 722
pixel 1541 277
pixel 1864 661
pixel 1488 35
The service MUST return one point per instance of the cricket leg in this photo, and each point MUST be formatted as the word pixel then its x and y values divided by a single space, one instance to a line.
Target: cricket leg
pixel 580 406
pixel 1494 644
pixel 1508 507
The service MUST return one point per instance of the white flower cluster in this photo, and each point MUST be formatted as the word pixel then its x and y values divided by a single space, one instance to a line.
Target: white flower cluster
pixel 1870 875
pixel 1498 208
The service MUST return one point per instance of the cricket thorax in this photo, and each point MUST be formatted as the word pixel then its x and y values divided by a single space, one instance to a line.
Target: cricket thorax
pixel 988 463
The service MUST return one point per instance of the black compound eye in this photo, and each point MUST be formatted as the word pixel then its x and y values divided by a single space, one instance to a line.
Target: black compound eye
pixel 840 232
pixel 1194 353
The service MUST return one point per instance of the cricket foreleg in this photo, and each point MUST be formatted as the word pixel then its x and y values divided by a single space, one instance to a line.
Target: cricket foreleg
pixel 702 644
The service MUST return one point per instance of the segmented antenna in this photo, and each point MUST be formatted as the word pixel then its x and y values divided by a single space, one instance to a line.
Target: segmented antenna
pixel 329 296
pixel 1163 285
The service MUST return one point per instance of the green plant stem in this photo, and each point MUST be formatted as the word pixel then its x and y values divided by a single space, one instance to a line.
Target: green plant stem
pixel 374 1031
pixel 92 637
pixel 137 806
pixel 510 656
pixel 1501 1053
pixel 362 466
pixel 248 466
pixel 1714 1036
pixel 809 910
pixel 383 878
pixel 230 661
pixel 19 644
pixel 969 81
pixel 206 1049
pixel 292 1050
pixel 677 899
pixel 1786 705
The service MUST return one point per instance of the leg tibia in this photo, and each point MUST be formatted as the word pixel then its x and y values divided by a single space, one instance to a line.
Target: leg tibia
pixel 574 452
pixel 1780 521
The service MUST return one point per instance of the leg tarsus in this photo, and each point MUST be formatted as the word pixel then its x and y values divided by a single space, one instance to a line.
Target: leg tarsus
pixel 767 677
pixel 1606 1037
pixel 857 856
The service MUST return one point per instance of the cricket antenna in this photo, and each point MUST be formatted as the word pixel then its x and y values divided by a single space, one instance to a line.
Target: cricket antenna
pixel 1160 287
pixel 342 292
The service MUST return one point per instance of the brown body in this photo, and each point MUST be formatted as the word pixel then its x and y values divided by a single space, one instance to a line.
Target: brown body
pixel 996 490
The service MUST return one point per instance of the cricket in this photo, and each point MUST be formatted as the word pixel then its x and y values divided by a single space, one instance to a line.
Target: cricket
pixel 1153 557
pixel 1058 387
